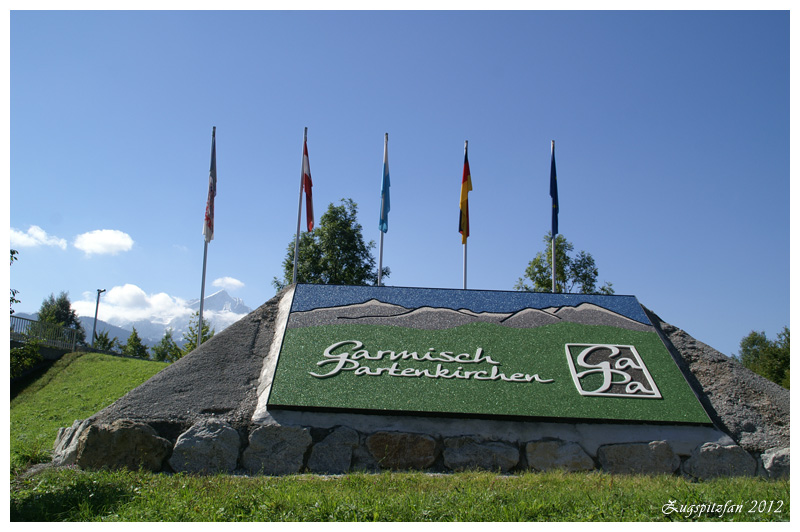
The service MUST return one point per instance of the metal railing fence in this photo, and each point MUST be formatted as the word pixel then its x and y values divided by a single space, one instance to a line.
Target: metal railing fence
pixel 23 329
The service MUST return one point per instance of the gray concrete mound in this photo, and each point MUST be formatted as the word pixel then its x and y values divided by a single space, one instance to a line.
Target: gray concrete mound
pixel 753 410
pixel 218 381
pixel 218 385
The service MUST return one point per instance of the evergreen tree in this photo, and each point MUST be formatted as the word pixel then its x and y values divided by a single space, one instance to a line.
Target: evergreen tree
pixel 166 350
pixel 58 311
pixel 106 345
pixel 574 274
pixel 189 338
pixel 333 253
pixel 134 347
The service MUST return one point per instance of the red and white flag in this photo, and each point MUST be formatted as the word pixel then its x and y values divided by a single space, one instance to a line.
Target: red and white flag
pixel 307 184
pixel 208 224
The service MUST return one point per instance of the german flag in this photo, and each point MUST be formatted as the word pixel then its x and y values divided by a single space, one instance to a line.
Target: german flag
pixel 466 187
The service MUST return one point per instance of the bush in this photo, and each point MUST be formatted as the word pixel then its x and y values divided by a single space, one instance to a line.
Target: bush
pixel 24 358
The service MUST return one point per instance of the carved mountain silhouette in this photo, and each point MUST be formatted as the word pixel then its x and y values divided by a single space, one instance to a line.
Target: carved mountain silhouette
pixel 374 312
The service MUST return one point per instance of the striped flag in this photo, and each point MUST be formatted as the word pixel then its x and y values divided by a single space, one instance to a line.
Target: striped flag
pixel 307 184
pixel 554 188
pixel 385 184
pixel 208 224
pixel 466 187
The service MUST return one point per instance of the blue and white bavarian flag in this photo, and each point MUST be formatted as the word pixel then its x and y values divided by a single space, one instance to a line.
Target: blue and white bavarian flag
pixel 384 221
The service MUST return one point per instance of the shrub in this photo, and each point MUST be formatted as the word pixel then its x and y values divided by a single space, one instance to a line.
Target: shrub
pixel 24 358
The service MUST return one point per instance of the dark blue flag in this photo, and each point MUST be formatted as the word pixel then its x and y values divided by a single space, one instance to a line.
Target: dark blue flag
pixel 554 187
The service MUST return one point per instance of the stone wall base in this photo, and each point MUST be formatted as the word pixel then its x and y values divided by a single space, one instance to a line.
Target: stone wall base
pixel 212 446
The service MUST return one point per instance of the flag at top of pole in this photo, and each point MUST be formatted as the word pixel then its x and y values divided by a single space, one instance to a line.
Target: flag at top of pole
pixel 208 224
pixel 208 228
pixel 554 221
pixel 466 187
pixel 553 187
pixel 306 185
pixel 383 224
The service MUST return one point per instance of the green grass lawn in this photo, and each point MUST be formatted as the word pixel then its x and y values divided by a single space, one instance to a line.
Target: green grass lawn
pixel 79 385
pixel 75 387
pixel 472 496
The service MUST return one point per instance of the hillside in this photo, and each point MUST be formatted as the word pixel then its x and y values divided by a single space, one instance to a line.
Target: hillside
pixel 75 387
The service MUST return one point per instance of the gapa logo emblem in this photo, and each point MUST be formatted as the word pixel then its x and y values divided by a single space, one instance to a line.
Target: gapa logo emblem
pixel 608 370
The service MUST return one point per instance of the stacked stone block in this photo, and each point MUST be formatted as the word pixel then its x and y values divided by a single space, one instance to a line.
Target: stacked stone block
pixel 213 446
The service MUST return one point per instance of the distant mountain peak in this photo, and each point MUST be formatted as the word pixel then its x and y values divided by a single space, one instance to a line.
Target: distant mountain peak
pixel 220 310
pixel 221 301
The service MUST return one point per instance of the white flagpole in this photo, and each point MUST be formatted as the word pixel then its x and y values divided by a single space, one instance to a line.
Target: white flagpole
pixel 553 261
pixel 465 265
pixel 299 209
pixel 202 297
pixel 380 261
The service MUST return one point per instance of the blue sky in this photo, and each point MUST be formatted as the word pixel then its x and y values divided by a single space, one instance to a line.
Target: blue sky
pixel 671 130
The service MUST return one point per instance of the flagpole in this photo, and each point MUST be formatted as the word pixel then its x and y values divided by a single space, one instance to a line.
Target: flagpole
pixel 299 209
pixel 465 240
pixel 202 296
pixel 380 261
pixel 465 265
pixel 553 253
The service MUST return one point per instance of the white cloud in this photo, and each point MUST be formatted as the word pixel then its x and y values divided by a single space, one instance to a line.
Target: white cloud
pixel 228 283
pixel 103 241
pixel 128 296
pixel 36 236
pixel 129 303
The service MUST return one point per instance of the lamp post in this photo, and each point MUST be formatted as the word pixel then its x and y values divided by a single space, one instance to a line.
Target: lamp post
pixel 96 308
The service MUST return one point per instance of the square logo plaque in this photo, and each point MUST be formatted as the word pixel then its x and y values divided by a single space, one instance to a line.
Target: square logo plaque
pixel 606 370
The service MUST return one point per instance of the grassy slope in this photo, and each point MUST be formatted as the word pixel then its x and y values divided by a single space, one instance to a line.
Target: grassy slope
pixel 77 386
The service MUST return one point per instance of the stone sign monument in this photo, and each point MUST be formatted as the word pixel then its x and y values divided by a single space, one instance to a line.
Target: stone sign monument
pixel 330 379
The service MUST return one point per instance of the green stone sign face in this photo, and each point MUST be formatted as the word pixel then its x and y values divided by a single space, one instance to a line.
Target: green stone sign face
pixel 470 353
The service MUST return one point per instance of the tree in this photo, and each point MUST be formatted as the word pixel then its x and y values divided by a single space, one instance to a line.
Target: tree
pixel 333 253
pixel 134 346
pixel 106 345
pixel 59 311
pixel 14 293
pixel 768 358
pixel 189 338
pixel 574 274
pixel 166 350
